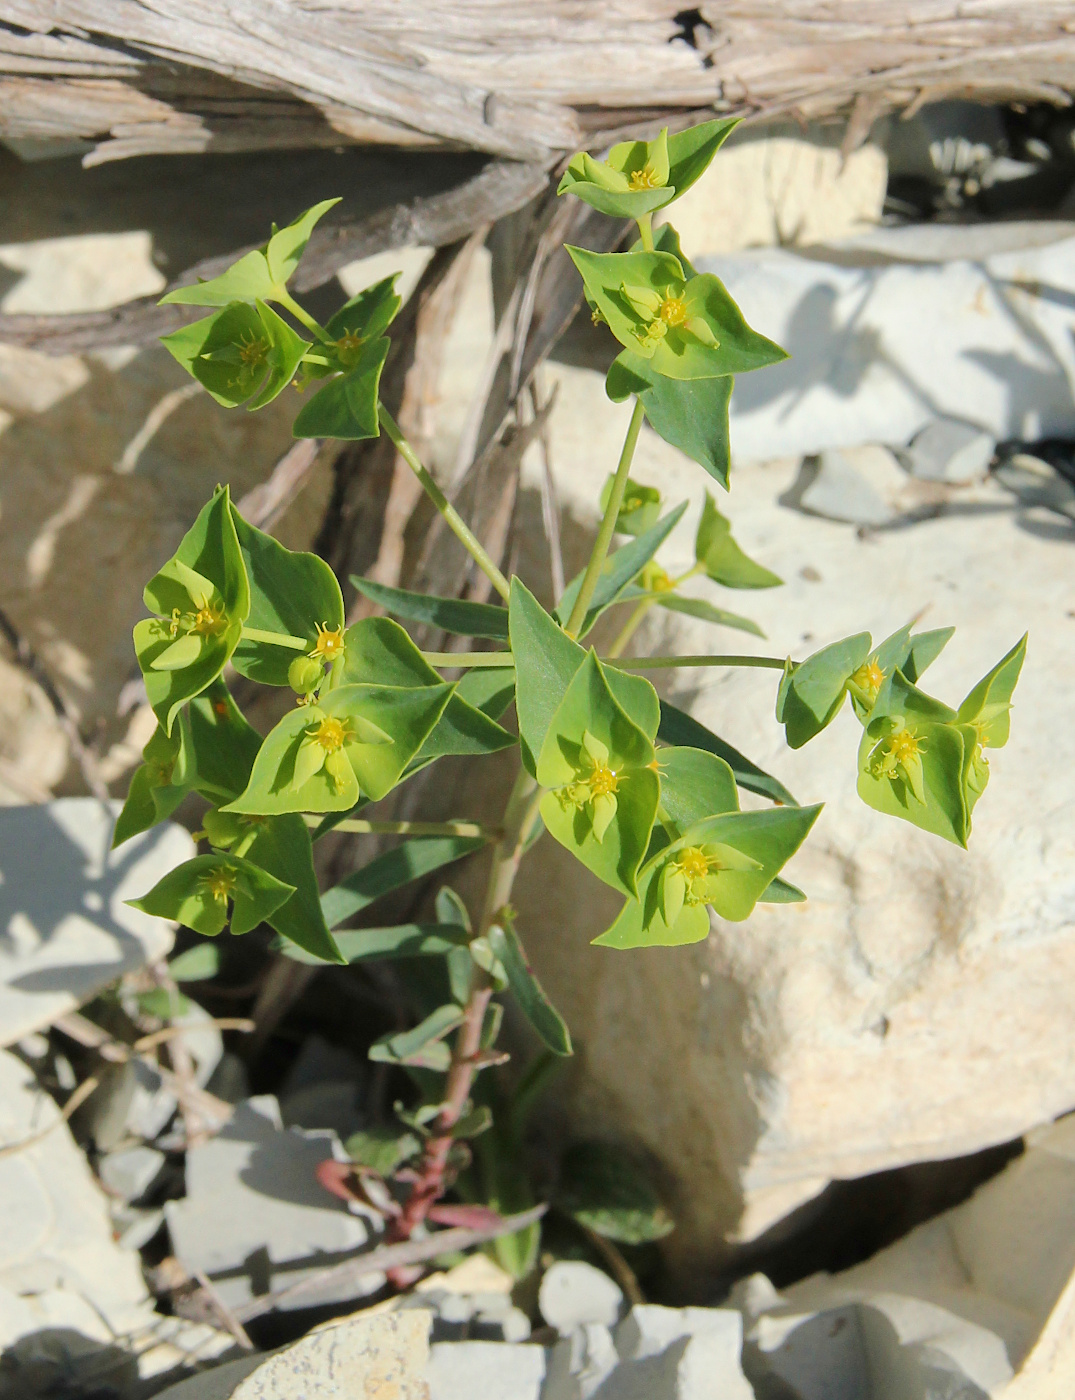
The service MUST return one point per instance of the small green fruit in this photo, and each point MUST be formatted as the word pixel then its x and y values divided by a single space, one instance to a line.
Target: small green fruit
pixel 304 674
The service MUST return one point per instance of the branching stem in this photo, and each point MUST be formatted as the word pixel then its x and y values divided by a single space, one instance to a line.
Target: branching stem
pixel 608 525
pixel 452 518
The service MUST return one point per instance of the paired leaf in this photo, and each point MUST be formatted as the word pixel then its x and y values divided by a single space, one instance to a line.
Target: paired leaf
pixel 292 593
pixel 357 739
pixel 598 765
pixel 202 598
pixel 687 327
pixel 722 559
pixel 346 406
pixel 678 727
pixel 811 693
pixel 260 274
pixel 198 893
pixel 449 614
pixel 691 414
pixel 727 862
pixel 241 355
pixel 529 993
pixel 630 184
pixel 378 648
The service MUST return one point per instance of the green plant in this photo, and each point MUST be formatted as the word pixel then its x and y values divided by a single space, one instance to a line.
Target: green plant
pixel 641 794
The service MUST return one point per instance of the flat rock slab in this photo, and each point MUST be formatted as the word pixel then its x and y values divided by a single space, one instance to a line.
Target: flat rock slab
pixel 380 1357
pixel 65 931
pixel 255 1217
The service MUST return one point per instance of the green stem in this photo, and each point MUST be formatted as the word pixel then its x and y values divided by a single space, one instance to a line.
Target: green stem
pixel 300 314
pixel 608 525
pixel 645 231
pixel 359 827
pixel 467 660
pixel 278 639
pixel 630 626
pixel 453 519
pixel 657 663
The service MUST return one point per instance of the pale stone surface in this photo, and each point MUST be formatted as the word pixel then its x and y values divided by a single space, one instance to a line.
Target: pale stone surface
pixel 880 344
pixel 72 1303
pixel 255 1214
pixel 920 1005
pixel 65 931
pixel 861 485
pixel 780 189
pixel 573 1292
pixel 378 1357
pixel 491 1370
pixel 968 1296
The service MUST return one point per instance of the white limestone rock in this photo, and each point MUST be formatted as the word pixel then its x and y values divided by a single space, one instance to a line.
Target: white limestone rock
pixel 491 1370
pixel 951 451
pixel 378 1357
pixel 573 1293
pixel 67 931
pixel 255 1217
pixel 955 1308
pixel 73 1304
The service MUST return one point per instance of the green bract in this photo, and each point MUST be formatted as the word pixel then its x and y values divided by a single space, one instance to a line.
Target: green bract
pixel 600 768
pixel 243 354
pixel 261 275
pixel 346 407
pixel 722 559
pixel 355 741
pixel 198 893
pixel 641 176
pixel 684 327
pixel 691 414
pixel 812 692
pixel 640 510
pixel 202 599
pixel 727 862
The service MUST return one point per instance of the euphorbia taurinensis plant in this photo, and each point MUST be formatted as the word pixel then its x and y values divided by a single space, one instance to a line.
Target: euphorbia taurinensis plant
pixel 640 793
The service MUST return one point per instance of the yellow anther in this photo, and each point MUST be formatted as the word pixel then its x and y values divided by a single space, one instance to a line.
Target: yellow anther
pixel 868 677
pixel 602 781
pixel 329 644
pixel 331 734
pixel 646 179
pixel 253 351
pixel 693 864
pixel 209 620
pixel 220 883
pixel 173 626
pixel 903 746
pixel 673 311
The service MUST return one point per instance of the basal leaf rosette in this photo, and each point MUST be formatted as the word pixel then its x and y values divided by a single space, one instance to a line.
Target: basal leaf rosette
pixel 355 742
pixel 724 862
pixel 201 892
pixel 201 598
pixel 685 327
pixel 912 760
pixel 641 176
pixel 600 769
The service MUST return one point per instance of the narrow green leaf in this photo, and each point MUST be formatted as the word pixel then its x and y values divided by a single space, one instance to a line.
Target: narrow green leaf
pixel 393 941
pixel 619 570
pixel 414 1046
pixel 528 991
pixel 410 860
pixel 707 612
pixel 449 614
pixel 680 728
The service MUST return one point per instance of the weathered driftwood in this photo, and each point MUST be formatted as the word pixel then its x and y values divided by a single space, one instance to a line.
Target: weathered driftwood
pixel 524 79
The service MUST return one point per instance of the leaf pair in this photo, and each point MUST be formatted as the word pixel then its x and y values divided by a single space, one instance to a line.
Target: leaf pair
pixel 225 576
pixel 641 176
